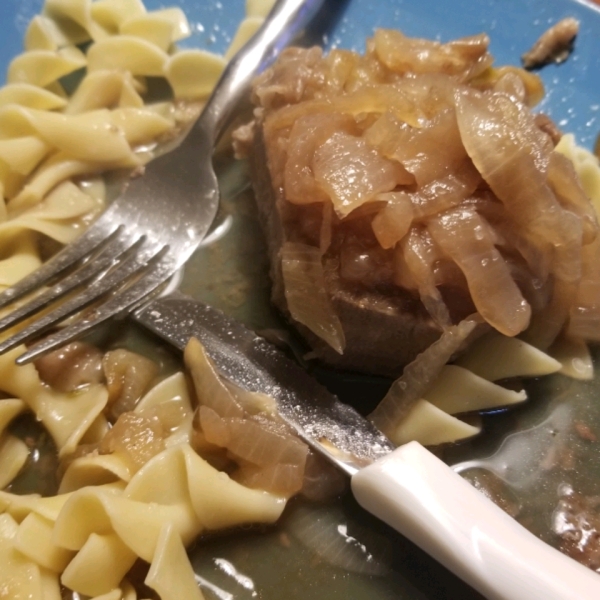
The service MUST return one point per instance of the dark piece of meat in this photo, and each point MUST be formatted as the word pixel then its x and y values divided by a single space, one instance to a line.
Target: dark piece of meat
pixel 554 45
pixel 384 332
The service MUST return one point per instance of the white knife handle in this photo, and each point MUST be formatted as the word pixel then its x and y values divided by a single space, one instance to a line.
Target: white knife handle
pixel 422 498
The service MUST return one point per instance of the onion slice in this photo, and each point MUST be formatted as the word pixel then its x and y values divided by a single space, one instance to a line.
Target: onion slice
pixel 569 191
pixel 420 374
pixel 306 293
pixel 210 390
pixel 393 221
pixel 266 454
pixel 512 155
pixel 466 56
pixel 420 253
pixel 352 173
pixel 467 238
pixel 307 134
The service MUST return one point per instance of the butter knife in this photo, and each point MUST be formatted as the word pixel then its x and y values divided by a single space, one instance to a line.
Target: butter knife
pixel 407 487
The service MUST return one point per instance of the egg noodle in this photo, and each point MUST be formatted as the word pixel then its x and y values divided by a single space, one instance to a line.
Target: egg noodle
pixel 54 147
pixel 56 144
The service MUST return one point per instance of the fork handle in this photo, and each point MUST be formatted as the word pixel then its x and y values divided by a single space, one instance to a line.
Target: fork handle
pixel 285 21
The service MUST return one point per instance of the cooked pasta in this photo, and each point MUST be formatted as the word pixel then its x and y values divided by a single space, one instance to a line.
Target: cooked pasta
pixel 109 48
pixel 51 186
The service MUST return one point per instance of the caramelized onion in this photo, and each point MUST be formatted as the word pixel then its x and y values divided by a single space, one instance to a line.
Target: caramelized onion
pixel 279 478
pixel 419 149
pixel 549 321
pixel 267 455
pixel 306 293
pixel 215 428
pixel 71 367
pixel 514 237
pixel 308 133
pixel 351 173
pixel 136 437
pixel 439 189
pixel 566 185
pixel 128 377
pixel 420 374
pixel 466 56
pixel 210 390
pixel 513 155
pixel 322 480
pixel 496 77
pixel 259 442
pixel 446 192
pixel 393 222
pixel 420 253
pixel 466 237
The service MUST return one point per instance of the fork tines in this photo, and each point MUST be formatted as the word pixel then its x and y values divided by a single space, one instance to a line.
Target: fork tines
pixel 119 269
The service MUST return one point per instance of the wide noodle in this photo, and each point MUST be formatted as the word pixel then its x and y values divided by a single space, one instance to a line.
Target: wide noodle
pixel 74 107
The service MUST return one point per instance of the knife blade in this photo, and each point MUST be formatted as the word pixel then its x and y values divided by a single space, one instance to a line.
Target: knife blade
pixel 407 487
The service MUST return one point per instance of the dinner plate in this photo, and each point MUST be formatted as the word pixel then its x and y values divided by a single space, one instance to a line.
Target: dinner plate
pixel 540 461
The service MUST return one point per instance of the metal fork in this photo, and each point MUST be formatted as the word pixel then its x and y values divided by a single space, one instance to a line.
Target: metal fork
pixel 150 231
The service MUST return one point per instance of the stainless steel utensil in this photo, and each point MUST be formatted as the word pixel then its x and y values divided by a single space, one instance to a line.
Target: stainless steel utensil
pixel 152 229
pixel 407 487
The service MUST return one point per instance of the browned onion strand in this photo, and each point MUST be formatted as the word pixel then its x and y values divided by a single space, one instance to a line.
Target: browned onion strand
pixel 351 173
pixel 465 57
pixel 420 374
pixel 307 134
pixel 209 386
pixel 393 221
pixel 466 237
pixel 71 367
pixel 306 293
pixel 259 443
pixel 135 437
pixel 420 253
pixel 566 185
pixel 549 321
pixel 515 237
pixel 446 192
pixel 513 155
pixel 322 480
pixel 263 453
pixel 128 377
pixel 419 149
